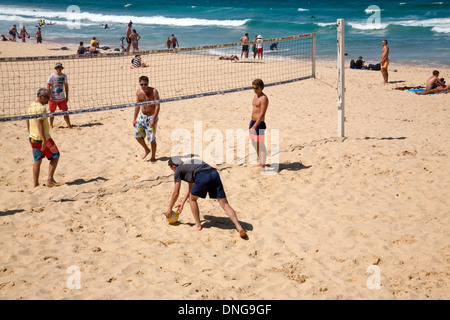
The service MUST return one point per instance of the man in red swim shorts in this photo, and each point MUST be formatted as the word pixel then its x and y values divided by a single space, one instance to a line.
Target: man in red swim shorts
pixel 59 89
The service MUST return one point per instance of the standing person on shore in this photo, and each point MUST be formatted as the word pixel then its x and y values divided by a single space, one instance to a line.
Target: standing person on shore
pixel 38 35
pixel 127 36
pixel 175 41
pixel 257 125
pixel 135 37
pixel 24 32
pixel 168 43
pixel 384 63
pixel 13 32
pixel 40 139
pixel 254 47
pixel 244 39
pixel 146 117
pixel 202 179
pixel 59 89
pixel 259 47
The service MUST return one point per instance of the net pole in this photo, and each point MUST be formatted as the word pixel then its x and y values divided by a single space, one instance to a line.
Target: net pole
pixel 313 73
pixel 341 76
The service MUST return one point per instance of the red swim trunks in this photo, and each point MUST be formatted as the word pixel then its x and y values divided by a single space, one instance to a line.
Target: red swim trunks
pixel 62 105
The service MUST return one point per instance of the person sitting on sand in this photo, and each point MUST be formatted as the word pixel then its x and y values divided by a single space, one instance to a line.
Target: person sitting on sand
pixel 232 57
pixel 81 48
pixel 202 179
pixel 434 82
pixel 136 62
pixel 359 64
pixel 433 91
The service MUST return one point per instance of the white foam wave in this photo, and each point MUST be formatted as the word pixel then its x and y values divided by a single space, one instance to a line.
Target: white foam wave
pixel 438 25
pixel 99 18
pixel 301 9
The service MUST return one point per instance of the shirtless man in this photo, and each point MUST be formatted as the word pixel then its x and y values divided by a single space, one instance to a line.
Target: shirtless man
pixel 257 125
pixel 244 39
pixel 168 43
pixel 175 42
pixel 434 82
pixel 384 63
pixel 145 119
pixel 127 36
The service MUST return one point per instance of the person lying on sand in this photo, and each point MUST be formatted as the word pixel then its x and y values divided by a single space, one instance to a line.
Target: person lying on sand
pixel 232 57
pixel 436 90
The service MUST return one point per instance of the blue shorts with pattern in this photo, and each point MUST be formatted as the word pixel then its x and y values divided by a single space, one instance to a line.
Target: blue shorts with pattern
pixel 143 129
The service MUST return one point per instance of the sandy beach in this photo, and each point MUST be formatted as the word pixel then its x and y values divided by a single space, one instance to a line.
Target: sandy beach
pixel 337 209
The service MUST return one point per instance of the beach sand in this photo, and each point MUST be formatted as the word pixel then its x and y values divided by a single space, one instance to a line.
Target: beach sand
pixel 338 212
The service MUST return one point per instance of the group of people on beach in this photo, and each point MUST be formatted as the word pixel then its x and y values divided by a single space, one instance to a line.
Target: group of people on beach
pixel 201 177
pixel 257 46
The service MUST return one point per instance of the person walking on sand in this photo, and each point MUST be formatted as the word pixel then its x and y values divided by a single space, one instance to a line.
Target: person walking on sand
pixel 257 125
pixel 146 117
pixel 202 179
pixel 59 88
pixel 41 142
pixel 244 39
pixel 384 63
pixel 38 35
pixel 24 32
pixel 127 36
pixel 174 42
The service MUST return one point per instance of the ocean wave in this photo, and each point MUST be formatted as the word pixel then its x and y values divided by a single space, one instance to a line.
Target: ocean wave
pixel 301 9
pixel 101 18
pixel 440 25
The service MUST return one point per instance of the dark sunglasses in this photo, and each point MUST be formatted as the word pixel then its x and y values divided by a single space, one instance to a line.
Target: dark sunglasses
pixel 144 84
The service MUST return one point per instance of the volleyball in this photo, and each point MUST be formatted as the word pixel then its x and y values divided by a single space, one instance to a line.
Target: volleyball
pixel 173 216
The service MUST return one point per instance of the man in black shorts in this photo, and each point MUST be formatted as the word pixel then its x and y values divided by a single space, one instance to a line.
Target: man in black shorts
pixel 244 39
pixel 202 179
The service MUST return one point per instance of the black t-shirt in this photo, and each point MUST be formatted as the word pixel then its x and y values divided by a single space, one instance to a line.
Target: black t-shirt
pixel 359 64
pixel 188 170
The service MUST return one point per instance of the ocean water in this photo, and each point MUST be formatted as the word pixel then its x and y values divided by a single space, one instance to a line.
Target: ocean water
pixel 418 31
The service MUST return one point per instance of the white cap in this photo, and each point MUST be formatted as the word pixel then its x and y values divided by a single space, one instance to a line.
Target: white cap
pixel 260 37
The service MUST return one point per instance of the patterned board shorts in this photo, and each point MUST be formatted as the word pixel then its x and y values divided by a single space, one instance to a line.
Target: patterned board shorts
pixel 143 129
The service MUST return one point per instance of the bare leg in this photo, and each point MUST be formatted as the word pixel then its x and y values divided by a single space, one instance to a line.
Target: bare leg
pixel 68 121
pixel 262 154
pixel 232 214
pixel 144 145
pixel 36 171
pixel 195 212
pixel 153 158
pixel 51 122
pixel 385 74
pixel 51 171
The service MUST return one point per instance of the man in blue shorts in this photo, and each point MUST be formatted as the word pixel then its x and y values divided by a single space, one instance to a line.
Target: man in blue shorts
pixel 202 179
pixel 257 126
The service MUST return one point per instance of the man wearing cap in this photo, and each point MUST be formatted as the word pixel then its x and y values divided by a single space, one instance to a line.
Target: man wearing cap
pixel 41 142
pixel 59 89
pixel 259 47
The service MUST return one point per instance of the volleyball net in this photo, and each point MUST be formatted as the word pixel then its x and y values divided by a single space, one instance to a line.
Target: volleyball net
pixel 109 81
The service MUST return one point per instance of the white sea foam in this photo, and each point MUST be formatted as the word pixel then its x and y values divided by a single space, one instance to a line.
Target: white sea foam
pixel 301 9
pixel 97 17
pixel 438 25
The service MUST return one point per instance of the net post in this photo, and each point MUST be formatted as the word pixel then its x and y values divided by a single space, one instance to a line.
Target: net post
pixel 341 76
pixel 314 55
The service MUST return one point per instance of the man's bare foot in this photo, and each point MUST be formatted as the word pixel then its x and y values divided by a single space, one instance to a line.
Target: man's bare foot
pixel 70 126
pixel 53 183
pixel 146 154
pixel 243 234
pixel 196 227
pixel 153 160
